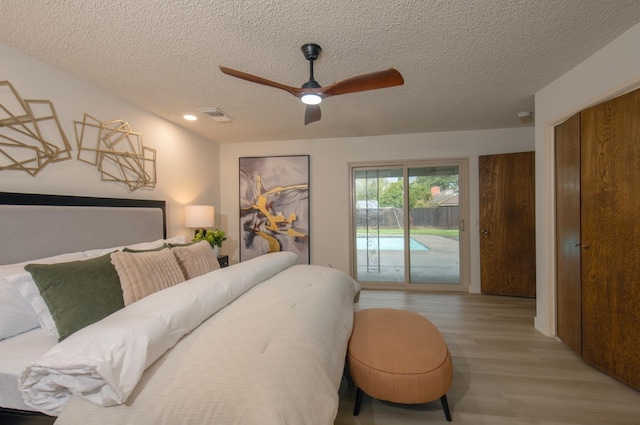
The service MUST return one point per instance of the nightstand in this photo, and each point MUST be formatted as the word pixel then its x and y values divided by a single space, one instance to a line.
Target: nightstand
pixel 223 260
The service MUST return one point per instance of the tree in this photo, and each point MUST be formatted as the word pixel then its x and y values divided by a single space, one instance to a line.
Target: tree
pixel 393 195
pixel 367 188
pixel 419 195
pixel 443 182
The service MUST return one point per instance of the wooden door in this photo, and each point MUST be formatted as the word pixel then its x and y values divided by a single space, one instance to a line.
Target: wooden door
pixel 568 278
pixel 611 237
pixel 507 224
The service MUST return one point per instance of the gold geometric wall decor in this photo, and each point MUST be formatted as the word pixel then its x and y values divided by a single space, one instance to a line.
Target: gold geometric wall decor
pixel 30 133
pixel 117 151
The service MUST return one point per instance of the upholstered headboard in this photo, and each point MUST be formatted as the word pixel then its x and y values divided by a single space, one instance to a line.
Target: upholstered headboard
pixel 37 226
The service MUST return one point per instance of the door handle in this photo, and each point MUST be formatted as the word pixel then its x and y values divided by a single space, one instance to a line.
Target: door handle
pixel 485 232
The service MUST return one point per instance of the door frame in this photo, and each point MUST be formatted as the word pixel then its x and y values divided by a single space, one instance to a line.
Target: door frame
pixel 465 225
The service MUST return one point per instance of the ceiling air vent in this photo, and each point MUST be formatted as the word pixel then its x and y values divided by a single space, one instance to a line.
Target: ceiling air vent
pixel 216 114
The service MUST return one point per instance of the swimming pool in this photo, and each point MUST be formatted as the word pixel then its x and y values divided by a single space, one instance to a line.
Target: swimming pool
pixel 391 243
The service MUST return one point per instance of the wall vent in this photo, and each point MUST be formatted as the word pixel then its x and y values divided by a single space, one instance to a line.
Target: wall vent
pixel 216 114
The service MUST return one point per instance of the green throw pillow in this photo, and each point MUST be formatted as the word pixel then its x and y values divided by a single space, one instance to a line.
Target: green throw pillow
pixel 160 248
pixel 78 293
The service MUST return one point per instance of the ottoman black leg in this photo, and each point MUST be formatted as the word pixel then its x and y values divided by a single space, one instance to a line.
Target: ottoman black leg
pixel 445 407
pixel 347 374
pixel 356 409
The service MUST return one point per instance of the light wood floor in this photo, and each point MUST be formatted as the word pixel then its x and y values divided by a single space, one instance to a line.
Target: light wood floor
pixel 505 372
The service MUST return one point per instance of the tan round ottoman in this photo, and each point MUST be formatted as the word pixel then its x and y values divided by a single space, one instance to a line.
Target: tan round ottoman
pixel 398 356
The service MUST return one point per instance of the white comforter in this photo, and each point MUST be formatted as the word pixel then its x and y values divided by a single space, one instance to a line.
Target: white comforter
pixel 273 356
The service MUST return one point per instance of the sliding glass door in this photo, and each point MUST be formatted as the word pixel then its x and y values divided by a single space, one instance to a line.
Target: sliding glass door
pixel 435 224
pixel 379 231
pixel 408 224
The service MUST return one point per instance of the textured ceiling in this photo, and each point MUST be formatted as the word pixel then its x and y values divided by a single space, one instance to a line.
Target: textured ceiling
pixel 467 64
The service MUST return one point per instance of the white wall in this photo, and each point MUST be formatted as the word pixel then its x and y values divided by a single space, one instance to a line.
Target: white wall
pixel 184 171
pixel 611 71
pixel 329 180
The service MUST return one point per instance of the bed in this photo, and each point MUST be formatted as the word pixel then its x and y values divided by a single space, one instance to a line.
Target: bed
pixel 263 341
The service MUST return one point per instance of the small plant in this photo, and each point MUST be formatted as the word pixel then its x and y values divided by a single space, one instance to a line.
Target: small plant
pixel 214 237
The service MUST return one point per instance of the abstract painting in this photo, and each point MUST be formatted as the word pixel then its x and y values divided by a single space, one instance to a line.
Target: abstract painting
pixel 274 206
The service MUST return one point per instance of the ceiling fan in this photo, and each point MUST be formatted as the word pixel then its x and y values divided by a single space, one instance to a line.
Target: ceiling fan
pixel 311 93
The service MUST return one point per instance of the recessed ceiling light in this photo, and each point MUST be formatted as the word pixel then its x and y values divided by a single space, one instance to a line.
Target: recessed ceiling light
pixel 189 117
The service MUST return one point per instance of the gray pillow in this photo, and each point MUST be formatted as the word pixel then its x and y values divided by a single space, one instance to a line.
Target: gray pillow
pixel 78 293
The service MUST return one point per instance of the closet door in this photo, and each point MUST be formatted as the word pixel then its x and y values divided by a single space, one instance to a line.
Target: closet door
pixel 611 237
pixel 568 250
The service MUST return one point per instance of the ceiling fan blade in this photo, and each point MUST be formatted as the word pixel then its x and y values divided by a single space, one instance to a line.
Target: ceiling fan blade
pixel 373 81
pixel 312 114
pixel 296 91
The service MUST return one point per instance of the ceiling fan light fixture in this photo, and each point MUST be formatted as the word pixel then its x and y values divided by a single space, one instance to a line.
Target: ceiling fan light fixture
pixel 311 99
pixel 311 93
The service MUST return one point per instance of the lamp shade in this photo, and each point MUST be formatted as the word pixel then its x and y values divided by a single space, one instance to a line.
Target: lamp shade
pixel 199 216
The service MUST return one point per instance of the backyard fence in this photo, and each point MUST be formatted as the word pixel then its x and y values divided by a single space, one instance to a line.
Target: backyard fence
pixel 390 217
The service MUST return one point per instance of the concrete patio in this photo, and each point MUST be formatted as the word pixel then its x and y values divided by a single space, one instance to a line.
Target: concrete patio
pixel 440 263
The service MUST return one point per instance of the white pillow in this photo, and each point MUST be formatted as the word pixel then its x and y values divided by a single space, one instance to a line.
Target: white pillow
pixel 16 312
pixel 16 315
pixel 24 284
pixel 175 240
pixel 137 247
pixel 11 269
